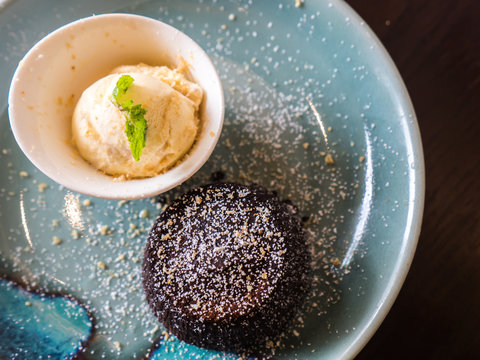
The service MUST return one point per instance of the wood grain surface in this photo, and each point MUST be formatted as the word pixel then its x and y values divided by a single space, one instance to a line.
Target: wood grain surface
pixel 436 46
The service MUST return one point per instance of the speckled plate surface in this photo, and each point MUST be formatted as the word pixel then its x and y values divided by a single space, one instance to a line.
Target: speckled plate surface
pixel 315 110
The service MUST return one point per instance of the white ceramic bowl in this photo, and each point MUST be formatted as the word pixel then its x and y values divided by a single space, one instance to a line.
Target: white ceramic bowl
pixel 54 73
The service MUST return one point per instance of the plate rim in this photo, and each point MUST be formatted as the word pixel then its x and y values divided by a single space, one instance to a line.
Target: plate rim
pixel 416 193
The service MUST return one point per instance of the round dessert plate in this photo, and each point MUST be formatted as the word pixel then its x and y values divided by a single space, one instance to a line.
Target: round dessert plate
pixel 315 110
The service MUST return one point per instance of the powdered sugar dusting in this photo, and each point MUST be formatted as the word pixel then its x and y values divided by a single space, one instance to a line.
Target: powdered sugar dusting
pixel 271 137
pixel 99 257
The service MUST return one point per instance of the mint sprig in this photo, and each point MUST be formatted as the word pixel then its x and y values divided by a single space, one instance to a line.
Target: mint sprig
pixel 136 124
pixel 121 87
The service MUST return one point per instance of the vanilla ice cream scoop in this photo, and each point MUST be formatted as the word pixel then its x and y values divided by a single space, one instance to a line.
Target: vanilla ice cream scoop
pixel 171 103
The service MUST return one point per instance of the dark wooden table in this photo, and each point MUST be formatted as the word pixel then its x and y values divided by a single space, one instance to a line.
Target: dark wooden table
pixel 436 46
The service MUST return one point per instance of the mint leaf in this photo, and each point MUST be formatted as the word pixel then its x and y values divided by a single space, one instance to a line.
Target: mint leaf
pixel 123 84
pixel 127 105
pixel 135 128
pixel 136 124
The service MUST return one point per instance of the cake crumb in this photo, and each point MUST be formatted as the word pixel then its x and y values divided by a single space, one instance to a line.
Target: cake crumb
pixel 361 158
pixel 101 265
pixel 55 224
pixel 28 303
pixel 104 230
pixel 87 202
pixel 23 174
pixel 42 187
pixel 329 159
pixel 56 240
pixel 298 3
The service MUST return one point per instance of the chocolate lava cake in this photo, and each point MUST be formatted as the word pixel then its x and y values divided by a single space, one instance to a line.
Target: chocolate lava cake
pixel 226 267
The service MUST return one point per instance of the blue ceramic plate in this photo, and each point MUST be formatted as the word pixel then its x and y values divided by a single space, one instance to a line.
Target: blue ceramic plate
pixel 315 110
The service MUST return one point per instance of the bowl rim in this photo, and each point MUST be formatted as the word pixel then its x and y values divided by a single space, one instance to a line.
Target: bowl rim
pixel 152 187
